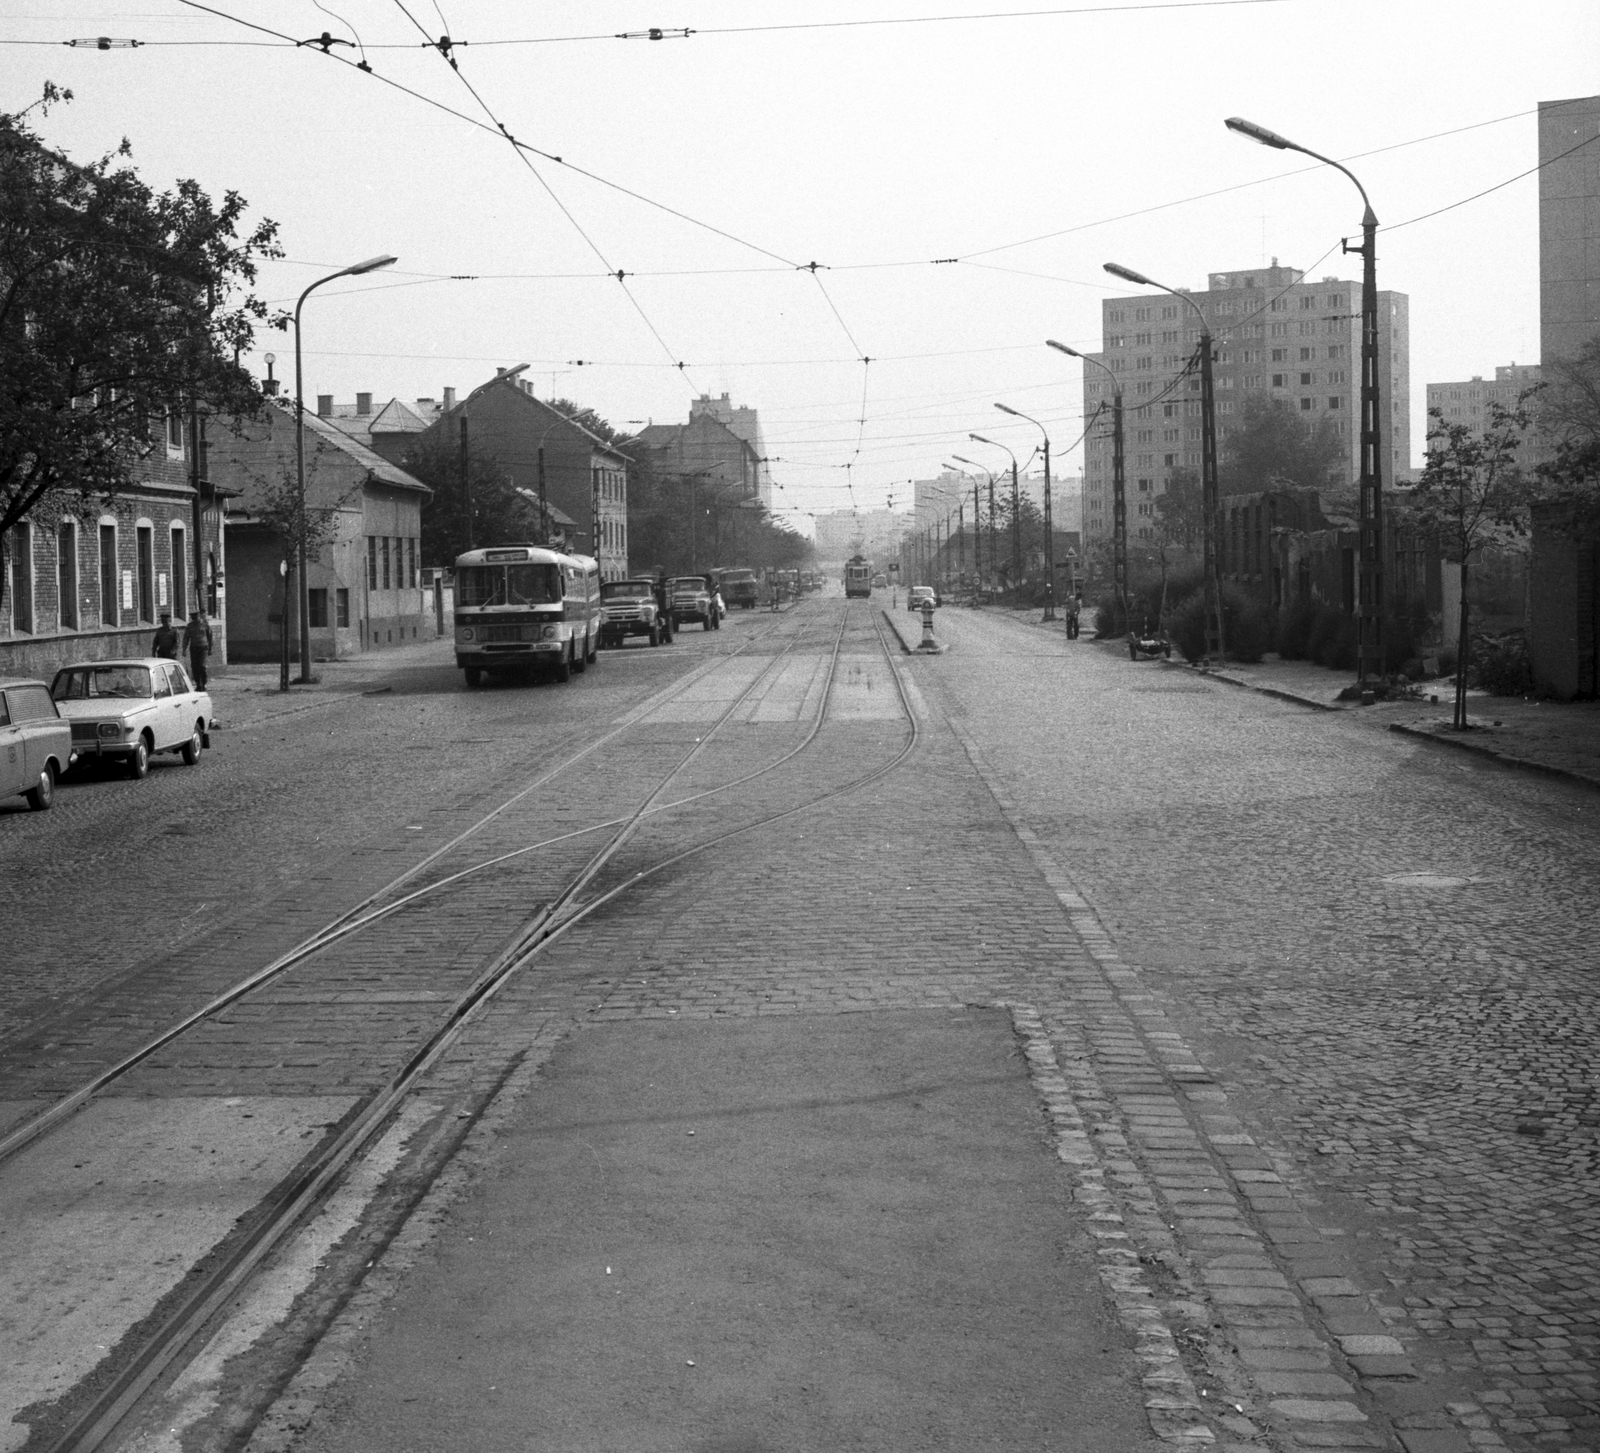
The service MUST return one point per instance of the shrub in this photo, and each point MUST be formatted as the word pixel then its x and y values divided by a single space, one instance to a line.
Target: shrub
pixel 1332 640
pixel 1244 621
pixel 1500 665
pixel 1294 628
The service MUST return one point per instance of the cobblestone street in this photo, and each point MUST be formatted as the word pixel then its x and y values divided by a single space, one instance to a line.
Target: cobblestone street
pixel 1304 1011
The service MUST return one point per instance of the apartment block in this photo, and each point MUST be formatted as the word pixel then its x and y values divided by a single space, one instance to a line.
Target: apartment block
pixel 1467 401
pixel 1569 225
pixel 1275 334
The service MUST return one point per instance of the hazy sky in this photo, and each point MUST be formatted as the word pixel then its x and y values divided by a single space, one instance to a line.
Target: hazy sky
pixel 959 181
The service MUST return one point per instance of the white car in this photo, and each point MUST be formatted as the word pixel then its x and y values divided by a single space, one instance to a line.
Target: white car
pixel 130 710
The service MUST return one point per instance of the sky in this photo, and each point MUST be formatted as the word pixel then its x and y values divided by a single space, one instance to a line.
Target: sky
pixel 958 173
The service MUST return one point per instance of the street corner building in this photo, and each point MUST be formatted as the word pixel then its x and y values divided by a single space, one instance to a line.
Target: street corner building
pixel 88 578
pixel 364 585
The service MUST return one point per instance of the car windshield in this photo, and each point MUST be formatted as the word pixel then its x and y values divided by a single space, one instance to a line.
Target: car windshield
pixel 508 585
pixel 688 582
pixel 626 590
pixel 738 577
pixel 87 683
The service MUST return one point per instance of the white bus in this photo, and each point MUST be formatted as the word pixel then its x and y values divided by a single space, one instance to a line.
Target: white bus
pixel 519 608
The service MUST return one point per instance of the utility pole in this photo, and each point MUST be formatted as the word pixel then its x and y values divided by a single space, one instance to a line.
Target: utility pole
pixel 1119 494
pixel 544 503
pixel 466 486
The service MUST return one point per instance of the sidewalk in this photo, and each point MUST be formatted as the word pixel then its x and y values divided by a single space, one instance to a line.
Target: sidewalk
pixel 247 692
pixel 1559 737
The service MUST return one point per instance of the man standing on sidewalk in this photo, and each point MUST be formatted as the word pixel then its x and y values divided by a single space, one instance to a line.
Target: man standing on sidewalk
pixel 166 639
pixel 197 642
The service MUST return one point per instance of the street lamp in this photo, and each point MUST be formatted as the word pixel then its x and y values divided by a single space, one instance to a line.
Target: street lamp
pixel 372 264
pixel 1016 512
pixel 1119 495
pixel 977 563
pixel 993 556
pixel 1369 601
pixel 1049 531
pixel 1216 641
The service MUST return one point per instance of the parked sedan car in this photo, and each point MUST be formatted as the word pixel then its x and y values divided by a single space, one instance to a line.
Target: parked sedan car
pixel 918 595
pixel 35 743
pixel 130 710
pixel 692 601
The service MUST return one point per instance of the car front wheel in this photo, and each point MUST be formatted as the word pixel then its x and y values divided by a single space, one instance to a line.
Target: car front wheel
pixel 191 748
pixel 40 797
pixel 139 760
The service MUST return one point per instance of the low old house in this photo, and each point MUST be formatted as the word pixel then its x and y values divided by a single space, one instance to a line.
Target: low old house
pixel 365 585
pixel 576 482
pixel 88 579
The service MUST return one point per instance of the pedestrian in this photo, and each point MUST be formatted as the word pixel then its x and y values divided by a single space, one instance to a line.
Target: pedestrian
pixel 165 643
pixel 663 602
pixel 197 642
pixel 1074 606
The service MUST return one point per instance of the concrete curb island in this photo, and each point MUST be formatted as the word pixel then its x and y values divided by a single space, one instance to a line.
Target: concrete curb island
pixel 912 648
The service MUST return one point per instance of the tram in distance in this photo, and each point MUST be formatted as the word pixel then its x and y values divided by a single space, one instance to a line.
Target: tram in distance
pixel 858 576
pixel 521 609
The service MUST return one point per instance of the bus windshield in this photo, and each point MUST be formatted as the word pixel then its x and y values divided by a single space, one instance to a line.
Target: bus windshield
pixel 508 585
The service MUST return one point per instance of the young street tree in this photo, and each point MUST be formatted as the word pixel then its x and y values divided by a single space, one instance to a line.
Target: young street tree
pixel 117 305
pixel 1472 494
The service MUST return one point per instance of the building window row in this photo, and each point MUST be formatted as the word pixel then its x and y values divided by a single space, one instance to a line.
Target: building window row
pixel 391 562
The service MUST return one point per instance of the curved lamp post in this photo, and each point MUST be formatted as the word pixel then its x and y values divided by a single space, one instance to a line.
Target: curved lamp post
pixel 989 475
pixel 1016 511
pixel 372 264
pixel 1119 494
pixel 1049 531
pixel 1216 641
pixel 1369 600
pixel 977 564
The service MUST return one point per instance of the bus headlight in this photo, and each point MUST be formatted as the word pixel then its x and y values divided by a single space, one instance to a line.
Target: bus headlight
pixel 463 633
pixel 552 632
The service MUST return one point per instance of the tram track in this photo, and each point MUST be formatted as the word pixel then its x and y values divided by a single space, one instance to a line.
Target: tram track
pixel 586 893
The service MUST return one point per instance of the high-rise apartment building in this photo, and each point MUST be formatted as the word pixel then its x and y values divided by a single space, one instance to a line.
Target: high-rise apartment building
pixel 1275 334
pixel 1569 225
pixel 1467 401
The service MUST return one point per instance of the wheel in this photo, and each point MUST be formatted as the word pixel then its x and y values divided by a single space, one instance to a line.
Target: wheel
pixel 563 670
pixel 474 676
pixel 40 797
pixel 191 748
pixel 139 762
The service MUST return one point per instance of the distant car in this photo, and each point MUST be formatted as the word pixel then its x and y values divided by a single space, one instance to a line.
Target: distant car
pixel 880 582
pixel 692 600
pixel 35 743
pixel 920 593
pixel 128 711
pixel 628 608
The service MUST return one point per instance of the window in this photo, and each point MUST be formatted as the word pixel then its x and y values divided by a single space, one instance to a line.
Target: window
pixel 1146 509
pixel 1278 380
pixel 1145 486
pixel 1168 410
pixel 1116 340
pixel 1252 380
pixel 1144 436
pixel 384 556
pixel 1307 354
pixel 1307 378
pixel 1307 303
pixel 1279 305
pixel 1141 315
pixel 180 575
pixel 1142 362
pixel 1306 328
pixel 1116 315
pixel 1335 402
pixel 342 604
pixel 22 576
pixel 1141 340
pixel 145 564
pixel 1335 375
pixel 1169 335
pixel 174 434
pixel 1334 300
pixel 1226 407
pixel 411 562
pixel 1170 436
pixel 1334 326
pixel 1143 388
pixel 1221 307
pixel 1305 406
pixel 1335 350
pixel 67 574
pixel 1168 460
pixel 1169 310
pixel 108 575
pixel 1280 330
pixel 372 562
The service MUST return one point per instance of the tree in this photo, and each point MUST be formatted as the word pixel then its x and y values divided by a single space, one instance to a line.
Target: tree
pixel 1272 447
pixel 499 514
pixel 117 305
pixel 1180 524
pixel 1472 494
pixel 1569 403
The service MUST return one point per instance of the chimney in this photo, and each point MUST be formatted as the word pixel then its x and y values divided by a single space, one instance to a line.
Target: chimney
pixel 363 404
pixel 449 398
pixel 324 406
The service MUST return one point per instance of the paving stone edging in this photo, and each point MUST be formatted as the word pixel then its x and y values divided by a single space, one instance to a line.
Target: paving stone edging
pixel 1216 1217
pixel 1509 759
